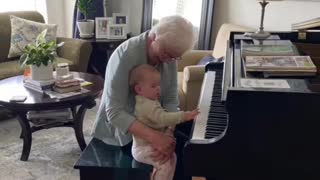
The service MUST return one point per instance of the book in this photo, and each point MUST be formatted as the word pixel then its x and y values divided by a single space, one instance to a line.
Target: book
pixel 308 24
pixel 287 74
pixel 269 48
pixel 59 96
pixel 264 83
pixel 67 83
pixel 37 88
pixel 50 114
pixel 40 83
pixel 67 89
pixel 278 64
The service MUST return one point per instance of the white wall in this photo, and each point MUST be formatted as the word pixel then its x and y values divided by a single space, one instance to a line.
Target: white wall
pixel 56 15
pixel 279 15
pixel 132 8
pixel 68 9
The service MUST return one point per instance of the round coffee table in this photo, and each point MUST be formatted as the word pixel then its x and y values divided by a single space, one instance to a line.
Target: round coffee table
pixel 39 102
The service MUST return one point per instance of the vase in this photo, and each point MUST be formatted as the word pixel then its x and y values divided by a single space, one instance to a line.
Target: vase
pixel 86 28
pixel 41 73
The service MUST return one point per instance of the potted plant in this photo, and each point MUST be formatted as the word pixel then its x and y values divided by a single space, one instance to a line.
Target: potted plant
pixel 85 26
pixel 40 57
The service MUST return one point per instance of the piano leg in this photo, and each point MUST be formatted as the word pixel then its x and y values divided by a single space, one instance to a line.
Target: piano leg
pixel 181 135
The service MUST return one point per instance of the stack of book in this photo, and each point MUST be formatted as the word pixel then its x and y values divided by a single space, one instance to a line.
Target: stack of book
pixel 281 65
pixel 67 85
pixel 275 58
pixel 269 48
pixel 49 117
pixel 39 86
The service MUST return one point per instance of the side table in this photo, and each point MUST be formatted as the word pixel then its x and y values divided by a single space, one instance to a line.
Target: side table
pixel 39 102
pixel 101 52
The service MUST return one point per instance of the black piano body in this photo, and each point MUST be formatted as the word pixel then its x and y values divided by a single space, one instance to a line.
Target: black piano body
pixel 272 134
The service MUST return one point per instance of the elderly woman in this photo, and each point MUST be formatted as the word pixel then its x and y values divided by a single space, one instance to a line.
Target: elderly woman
pixel 160 47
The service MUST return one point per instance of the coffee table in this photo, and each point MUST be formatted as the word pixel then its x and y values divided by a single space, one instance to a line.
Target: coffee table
pixel 38 102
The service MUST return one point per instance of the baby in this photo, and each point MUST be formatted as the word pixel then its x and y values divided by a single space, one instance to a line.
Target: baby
pixel 145 82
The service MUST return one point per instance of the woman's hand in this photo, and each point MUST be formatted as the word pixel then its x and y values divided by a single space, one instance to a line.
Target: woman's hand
pixel 163 145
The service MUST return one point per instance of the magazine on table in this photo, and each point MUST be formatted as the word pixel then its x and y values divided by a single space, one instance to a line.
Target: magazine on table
pixel 57 95
pixel 264 83
pixel 276 64
pixel 269 48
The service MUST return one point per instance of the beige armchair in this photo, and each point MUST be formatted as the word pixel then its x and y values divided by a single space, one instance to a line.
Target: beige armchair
pixel 190 75
pixel 76 52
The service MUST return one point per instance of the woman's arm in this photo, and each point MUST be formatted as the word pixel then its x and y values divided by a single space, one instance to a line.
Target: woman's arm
pixel 116 96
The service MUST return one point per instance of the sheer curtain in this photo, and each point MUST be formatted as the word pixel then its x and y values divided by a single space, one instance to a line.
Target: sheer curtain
pixel 190 9
pixel 18 5
pixel 24 5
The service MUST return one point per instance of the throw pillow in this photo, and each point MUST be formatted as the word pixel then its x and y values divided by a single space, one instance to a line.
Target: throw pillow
pixel 24 31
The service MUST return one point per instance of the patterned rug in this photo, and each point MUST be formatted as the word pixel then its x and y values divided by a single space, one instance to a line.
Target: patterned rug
pixel 53 152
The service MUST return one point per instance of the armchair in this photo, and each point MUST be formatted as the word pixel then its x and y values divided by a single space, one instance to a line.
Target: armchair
pixel 76 52
pixel 190 75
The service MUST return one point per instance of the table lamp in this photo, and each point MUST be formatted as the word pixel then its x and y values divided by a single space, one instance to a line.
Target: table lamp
pixel 261 34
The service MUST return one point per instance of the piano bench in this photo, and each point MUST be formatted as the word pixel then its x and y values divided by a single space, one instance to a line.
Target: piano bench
pixel 103 161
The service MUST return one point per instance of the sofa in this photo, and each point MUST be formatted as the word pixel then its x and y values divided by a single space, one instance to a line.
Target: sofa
pixel 75 52
pixel 190 75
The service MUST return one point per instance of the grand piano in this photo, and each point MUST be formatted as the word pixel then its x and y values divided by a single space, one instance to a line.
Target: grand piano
pixel 256 133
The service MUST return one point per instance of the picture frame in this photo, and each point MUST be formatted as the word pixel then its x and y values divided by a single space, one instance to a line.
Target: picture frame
pixel 117 31
pixel 101 27
pixel 119 18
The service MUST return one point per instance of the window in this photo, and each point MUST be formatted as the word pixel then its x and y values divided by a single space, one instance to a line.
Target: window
pixel 18 5
pixel 198 12
pixel 24 5
pixel 189 9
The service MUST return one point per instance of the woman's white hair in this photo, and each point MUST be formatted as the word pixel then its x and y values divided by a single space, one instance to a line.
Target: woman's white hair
pixel 174 33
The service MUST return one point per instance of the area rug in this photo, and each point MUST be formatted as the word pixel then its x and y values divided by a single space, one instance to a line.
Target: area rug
pixel 53 152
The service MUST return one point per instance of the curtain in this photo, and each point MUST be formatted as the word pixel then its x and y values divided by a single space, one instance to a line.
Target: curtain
pixel 96 10
pixel 207 13
pixel 146 20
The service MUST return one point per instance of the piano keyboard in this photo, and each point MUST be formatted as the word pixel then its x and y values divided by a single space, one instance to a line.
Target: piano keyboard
pixel 210 125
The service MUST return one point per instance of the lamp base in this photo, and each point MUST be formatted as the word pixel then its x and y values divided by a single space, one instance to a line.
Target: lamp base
pixel 259 35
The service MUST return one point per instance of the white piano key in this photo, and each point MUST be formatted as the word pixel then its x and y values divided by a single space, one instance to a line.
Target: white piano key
pixel 204 106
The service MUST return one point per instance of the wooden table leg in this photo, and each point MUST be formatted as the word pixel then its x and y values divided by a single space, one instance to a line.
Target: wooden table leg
pixel 26 135
pixel 78 124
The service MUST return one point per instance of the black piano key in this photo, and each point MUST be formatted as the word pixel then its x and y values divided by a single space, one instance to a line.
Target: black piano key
pixel 217 116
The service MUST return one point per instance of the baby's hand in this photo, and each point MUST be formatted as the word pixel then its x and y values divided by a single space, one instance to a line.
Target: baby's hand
pixel 190 115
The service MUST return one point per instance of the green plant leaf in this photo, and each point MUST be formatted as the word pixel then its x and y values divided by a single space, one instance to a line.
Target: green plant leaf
pixel 42 52
pixel 84 7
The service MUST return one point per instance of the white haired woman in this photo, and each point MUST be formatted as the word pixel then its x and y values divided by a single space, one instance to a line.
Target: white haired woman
pixel 161 47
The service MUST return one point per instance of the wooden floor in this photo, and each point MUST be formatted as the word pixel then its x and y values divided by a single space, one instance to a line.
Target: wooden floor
pixel 198 178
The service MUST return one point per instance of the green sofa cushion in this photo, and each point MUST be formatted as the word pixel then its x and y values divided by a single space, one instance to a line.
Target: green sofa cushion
pixel 5 29
pixel 12 68
pixel 24 32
